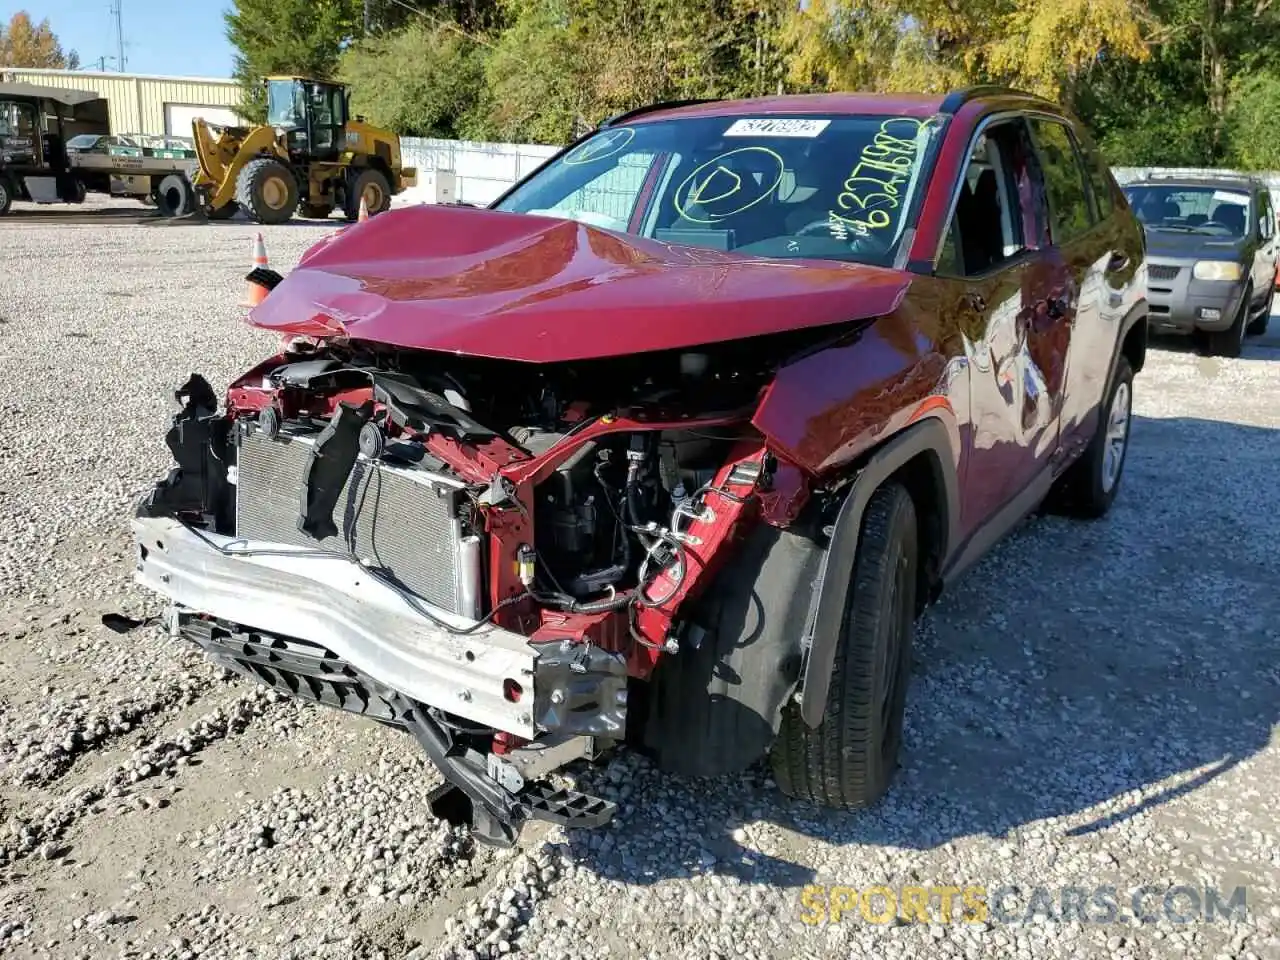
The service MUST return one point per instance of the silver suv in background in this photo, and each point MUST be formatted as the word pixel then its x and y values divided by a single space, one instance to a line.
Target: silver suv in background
pixel 1211 255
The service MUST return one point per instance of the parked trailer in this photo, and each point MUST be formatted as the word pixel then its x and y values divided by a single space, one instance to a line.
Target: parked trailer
pixel 130 166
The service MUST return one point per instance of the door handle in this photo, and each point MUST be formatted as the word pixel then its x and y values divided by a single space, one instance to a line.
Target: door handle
pixel 1119 260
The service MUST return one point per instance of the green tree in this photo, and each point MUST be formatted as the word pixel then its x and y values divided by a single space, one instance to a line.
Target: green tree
pixel 424 80
pixel 27 44
pixel 1252 110
pixel 1182 106
pixel 303 37
pixel 1045 46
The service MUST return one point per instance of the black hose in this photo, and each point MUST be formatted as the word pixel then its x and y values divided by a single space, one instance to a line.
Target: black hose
pixel 620 529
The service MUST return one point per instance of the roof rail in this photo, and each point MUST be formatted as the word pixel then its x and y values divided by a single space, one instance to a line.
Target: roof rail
pixel 1200 175
pixel 958 98
pixel 654 107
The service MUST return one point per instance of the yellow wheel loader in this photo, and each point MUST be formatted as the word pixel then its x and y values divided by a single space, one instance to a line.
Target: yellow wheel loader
pixel 311 157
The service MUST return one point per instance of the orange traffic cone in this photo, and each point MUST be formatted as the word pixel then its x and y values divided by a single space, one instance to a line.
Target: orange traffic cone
pixel 258 278
pixel 364 211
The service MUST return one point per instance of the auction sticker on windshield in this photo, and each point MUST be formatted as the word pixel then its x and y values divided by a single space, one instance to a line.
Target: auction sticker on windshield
pixel 776 127
pixel 1222 196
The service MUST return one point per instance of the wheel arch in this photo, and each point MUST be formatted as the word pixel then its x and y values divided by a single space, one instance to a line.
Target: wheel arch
pixel 919 458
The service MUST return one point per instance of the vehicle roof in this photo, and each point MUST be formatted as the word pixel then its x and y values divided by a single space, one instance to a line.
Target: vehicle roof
pixel 302 77
pixel 1224 181
pixel 911 105
pixel 843 103
pixel 31 91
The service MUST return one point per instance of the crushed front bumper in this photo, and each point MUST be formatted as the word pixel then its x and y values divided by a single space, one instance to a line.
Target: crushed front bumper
pixel 335 603
pixel 322 628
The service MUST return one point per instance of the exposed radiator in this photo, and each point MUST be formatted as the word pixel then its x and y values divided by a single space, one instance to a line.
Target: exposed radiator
pixel 401 519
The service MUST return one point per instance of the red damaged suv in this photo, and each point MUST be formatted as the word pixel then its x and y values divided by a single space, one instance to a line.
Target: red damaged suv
pixel 669 446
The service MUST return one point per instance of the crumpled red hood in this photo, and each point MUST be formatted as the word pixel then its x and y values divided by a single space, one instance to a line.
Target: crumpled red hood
pixel 523 287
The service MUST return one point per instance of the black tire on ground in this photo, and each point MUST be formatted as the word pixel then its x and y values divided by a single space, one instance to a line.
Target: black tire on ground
pixel 1090 485
pixel 76 191
pixel 374 187
pixel 6 195
pixel 267 191
pixel 1227 343
pixel 850 759
pixel 175 196
pixel 224 212
pixel 315 211
pixel 1259 325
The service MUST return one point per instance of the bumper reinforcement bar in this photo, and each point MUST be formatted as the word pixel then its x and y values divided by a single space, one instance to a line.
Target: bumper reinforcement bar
pixel 308 671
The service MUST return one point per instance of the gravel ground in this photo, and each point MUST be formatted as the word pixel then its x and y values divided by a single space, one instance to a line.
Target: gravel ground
pixel 1095 706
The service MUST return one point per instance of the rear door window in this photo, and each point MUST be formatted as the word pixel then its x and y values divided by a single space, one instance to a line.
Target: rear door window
pixel 1064 176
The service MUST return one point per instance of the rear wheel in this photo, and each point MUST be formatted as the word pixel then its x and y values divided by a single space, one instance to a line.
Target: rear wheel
pixel 373 187
pixel 849 760
pixel 267 190
pixel 1229 342
pixel 1090 485
pixel 174 196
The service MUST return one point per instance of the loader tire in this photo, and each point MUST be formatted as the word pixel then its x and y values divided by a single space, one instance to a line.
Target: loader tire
pixel 267 191
pixel 374 187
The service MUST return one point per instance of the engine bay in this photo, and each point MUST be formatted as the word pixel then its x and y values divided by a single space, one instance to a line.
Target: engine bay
pixel 565 501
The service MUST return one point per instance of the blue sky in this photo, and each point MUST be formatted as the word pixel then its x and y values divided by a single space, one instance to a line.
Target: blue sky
pixel 179 37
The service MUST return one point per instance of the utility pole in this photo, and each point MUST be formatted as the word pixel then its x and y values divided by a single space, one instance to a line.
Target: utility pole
pixel 117 13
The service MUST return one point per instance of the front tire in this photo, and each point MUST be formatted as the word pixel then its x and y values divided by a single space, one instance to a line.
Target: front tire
pixel 850 759
pixel 6 196
pixel 1259 325
pixel 267 191
pixel 1229 342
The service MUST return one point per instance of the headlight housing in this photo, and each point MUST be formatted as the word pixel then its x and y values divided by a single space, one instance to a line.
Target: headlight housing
pixel 1216 270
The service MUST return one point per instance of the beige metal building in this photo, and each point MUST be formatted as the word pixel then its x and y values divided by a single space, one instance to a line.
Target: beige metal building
pixel 157 106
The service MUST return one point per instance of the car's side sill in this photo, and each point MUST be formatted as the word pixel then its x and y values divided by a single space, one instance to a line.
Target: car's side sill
pixel 1005 519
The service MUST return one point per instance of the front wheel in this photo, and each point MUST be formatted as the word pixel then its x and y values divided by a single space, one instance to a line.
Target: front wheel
pixel 1259 325
pixel 6 196
pixel 850 759
pixel 267 190
pixel 1229 342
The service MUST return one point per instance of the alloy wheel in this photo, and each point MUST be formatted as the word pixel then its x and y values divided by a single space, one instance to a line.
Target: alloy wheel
pixel 1117 438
